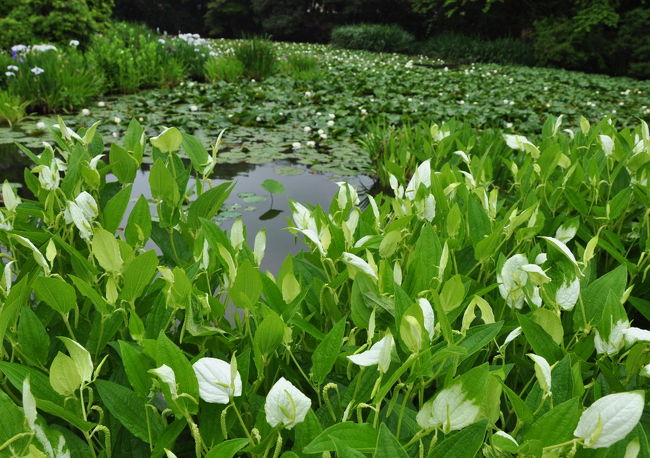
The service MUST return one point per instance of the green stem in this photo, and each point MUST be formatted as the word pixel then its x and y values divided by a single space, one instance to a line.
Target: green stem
pixel 241 422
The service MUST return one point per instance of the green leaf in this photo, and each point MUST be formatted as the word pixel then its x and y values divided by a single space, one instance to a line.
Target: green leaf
pixel 464 443
pixel 344 450
pixel 136 366
pixel 138 226
pixel 32 337
pixel 594 295
pixel 541 342
pixel 64 376
pixel 269 334
pixel 306 431
pixel 247 286
pixel 56 293
pixel 114 210
pixel 227 449
pixel 273 186
pixel 168 141
pixel 107 251
pixel 387 445
pixel 163 185
pixel 18 296
pixel 452 294
pixel 123 165
pixel 209 203
pixel 91 293
pixel 359 436
pixel 523 412
pixel 81 358
pixel 138 275
pixel 168 353
pixel 327 351
pixel 479 336
pixel 195 151
pixel 556 425
pixel 130 410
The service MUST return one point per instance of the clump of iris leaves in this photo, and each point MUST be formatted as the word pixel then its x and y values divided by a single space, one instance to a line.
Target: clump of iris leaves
pixel 493 302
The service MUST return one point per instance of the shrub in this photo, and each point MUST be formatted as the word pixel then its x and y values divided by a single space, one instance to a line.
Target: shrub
pixel 460 48
pixel 302 66
pixel 53 81
pixel 12 108
pixel 54 21
pixel 226 68
pixel 172 71
pixel 257 56
pixel 191 50
pixel 372 37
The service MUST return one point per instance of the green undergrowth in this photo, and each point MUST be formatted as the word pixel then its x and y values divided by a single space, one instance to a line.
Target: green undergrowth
pixel 494 302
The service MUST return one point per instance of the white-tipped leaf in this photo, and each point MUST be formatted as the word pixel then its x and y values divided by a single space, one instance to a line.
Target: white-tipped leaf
pixel 610 419
pixel 451 410
pixel 286 405
pixel 378 354
pixel 542 372
pixel 215 380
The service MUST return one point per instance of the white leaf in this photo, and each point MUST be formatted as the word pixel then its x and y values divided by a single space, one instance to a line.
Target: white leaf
pixel 511 336
pixel 38 256
pixel 615 340
pixel 450 409
pixel 536 274
pixel 215 380
pixel 567 295
pixel 286 405
pixel 167 376
pixel 633 335
pixel 29 404
pixel 610 419
pixel 259 246
pixel 379 354
pixel 428 315
pixel 542 372
pixel 10 199
pixel 607 143
pixel 562 248
pixel 355 261
pixel 237 234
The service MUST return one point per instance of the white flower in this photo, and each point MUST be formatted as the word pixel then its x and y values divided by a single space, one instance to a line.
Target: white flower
pixel 409 64
pixel 311 143
pixel 85 112
pixel 286 405
pixel 215 380
pixel 18 48
pixel 10 74
pixel 43 48
pixel 450 408
pixel 101 104
pixel 610 419
pixel 379 354
pixel 296 145
pixel 37 70
pixel 40 125
pixel 331 115
pixel 12 68
pixel 330 123
pixel 363 111
pixel 74 43
pixel 567 295
pixel 194 108
pixel 307 129
pixel 117 120
pixel 308 94
pixel 615 341
pixel 161 41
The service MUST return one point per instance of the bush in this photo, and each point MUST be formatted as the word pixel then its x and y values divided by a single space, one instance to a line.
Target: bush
pixel 226 68
pixel 56 21
pixel 459 48
pixel 372 37
pixel 12 108
pixel 302 66
pixel 257 56
pixel 191 50
pixel 52 81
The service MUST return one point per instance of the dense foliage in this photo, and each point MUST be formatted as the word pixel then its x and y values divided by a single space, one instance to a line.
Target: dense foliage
pixel 373 37
pixel 493 304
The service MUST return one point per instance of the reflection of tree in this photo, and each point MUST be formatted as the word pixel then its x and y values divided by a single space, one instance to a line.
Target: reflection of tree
pixel 13 163
pixel 230 171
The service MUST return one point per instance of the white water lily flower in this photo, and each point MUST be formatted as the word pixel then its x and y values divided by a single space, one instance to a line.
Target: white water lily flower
pixel 610 419
pixel 633 335
pixel 542 372
pixel 615 341
pixel 427 315
pixel 567 295
pixel 358 263
pixel 450 409
pixel 215 380
pixel 379 354
pixel 286 405
pixel 607 143
pixel 167 376
pixel 10 199
pixel 512 279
